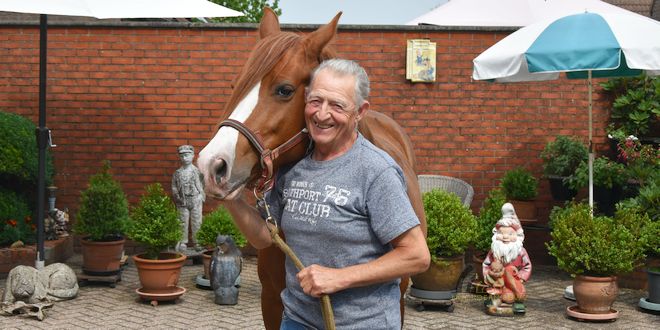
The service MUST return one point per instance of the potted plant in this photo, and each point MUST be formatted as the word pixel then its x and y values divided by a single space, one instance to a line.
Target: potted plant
pixel 451 229
pixel 594 250
pixel 642 162
pixel 521 188
pixel 608 179
pixel 635 106
pixel 489 214
pixel 155 225
pixel 102 219
pixel 561 158
pixel 213 224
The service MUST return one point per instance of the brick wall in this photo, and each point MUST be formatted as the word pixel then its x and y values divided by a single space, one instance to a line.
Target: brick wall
pixel 132 93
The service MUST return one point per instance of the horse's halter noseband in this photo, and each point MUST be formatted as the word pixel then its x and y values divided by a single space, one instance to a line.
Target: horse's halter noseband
pixel 266 155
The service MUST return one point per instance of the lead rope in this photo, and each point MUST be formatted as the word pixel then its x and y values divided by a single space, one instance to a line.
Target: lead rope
pixel 326 306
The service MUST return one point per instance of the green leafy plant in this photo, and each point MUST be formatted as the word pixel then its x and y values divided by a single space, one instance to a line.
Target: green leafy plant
pixel 489 214
pixel 519 184
pixel 562 156
pixel 451 225
pixel 607 173
pixel 596 246
pixel 636 105
pixel 641 161
pixel 155 222
pixel 103 213
pixel 642 215
pixel 218 222
pixel 15 221
pixel 18 152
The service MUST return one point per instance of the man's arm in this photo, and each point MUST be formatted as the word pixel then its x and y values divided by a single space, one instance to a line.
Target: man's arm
pixel 249 222
pixel 410 255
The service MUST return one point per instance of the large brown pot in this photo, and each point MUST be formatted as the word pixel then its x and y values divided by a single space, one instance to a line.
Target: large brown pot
pixel 102 258
pixel 442 275
pixel 160 275
pixel 477 263
pixel 595 295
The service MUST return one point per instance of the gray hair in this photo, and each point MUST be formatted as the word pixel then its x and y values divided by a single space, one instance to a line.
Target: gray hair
pixel 347 67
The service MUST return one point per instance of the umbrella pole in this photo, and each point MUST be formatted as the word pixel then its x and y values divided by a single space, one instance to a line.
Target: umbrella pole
pixel 42 139
pixel 591 146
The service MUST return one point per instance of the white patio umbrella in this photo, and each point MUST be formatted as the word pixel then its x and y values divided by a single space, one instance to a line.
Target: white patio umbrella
pixel 98 9
pixel 583 45
pixel 509 12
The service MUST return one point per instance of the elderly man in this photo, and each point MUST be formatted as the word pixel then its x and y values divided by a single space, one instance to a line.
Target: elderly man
pixel 344 211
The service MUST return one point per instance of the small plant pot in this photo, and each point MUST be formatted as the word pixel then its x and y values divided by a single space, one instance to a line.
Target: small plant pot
pixel 525 210
pixel 206 261
pixel 442 275
pixel 102 258
pixel 160 275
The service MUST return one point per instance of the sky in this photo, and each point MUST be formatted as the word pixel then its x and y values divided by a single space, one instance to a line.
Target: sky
pixel 386 12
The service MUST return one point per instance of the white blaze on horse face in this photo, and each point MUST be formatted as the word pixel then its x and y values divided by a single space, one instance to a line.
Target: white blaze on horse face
pixel 223 144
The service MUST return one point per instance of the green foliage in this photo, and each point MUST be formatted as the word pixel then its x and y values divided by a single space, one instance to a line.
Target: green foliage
pixel 642 161
pixel 519 184
pixel 19 152
pixel 597 246
pixel 103 213
pixel 563 155
pixel 642 215
pixel 253 10
pixel 155 221
pixel 489 214
pixel 636 105
pixel 15 221
pixel 218 222
pixel 607 173
pixel 451 225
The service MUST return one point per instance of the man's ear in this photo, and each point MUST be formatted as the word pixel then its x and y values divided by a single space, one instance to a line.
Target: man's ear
pixel 362 110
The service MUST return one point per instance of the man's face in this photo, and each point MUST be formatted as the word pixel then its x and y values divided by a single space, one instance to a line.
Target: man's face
pixel 507 235
pixel 186 158
pixel 331 114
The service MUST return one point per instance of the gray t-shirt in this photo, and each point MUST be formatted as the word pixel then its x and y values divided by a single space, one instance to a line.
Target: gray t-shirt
pixel 339 213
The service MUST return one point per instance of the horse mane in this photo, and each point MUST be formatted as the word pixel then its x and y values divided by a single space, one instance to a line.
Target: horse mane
pixel 267 53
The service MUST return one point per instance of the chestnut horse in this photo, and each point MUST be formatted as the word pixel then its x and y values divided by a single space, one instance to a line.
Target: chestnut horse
pixel 268 102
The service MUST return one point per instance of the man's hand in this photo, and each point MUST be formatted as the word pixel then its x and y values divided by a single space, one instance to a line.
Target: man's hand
pixel 317 280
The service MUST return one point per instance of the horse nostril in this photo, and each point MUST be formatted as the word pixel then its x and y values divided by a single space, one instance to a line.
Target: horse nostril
pixel 220 171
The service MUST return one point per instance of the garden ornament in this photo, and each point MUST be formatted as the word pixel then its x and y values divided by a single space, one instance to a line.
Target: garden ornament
pixel 226 266
pixel 30 291
pixel 507 266
pixel 56 224
pixel 188 194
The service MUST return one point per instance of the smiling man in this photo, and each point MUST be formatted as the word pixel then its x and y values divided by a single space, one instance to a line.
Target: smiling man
pixel 344 211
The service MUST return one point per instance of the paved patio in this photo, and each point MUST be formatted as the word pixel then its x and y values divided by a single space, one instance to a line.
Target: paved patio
pixel 99 306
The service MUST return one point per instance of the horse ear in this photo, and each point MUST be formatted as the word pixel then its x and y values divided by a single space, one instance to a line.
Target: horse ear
pixel 317 40
pixel 270 24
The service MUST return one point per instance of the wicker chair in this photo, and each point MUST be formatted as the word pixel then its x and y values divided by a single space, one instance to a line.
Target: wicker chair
pixel 462 189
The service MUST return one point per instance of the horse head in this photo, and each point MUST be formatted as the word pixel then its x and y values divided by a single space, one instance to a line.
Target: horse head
pixel 266 105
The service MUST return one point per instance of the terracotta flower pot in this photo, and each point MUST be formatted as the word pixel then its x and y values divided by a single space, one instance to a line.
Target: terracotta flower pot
pixel 595 295
pixel 206 261
pixel 102 258
pixel 525 210
pixel 477 262
pixel 442 275
pixel 161 275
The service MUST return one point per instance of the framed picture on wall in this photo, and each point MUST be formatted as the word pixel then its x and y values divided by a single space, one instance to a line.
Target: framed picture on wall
pixel 420 60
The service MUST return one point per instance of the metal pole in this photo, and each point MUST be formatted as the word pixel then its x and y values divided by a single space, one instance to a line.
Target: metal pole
pixel 42 139
pixel 591 147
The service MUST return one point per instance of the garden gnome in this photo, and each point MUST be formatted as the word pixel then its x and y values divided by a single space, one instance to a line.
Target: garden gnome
pixel 188 194
pixel 507 266
pixel 226 266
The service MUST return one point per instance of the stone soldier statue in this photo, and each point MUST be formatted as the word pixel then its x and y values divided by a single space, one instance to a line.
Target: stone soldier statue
pixel 188 194
pixel 226 266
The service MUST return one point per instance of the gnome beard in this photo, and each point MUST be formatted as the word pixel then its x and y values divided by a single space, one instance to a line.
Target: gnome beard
pixel 506 252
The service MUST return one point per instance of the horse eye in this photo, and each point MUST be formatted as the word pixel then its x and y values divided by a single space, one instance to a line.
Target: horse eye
pixel 284 91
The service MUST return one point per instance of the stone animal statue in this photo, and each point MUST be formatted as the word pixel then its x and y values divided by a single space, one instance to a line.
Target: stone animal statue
pixel 28 290
pixel 226 266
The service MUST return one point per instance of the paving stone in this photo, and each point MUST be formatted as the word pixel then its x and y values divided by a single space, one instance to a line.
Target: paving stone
pixel 100 307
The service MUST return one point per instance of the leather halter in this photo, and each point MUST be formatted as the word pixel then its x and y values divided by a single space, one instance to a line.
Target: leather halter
pixel 266 155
